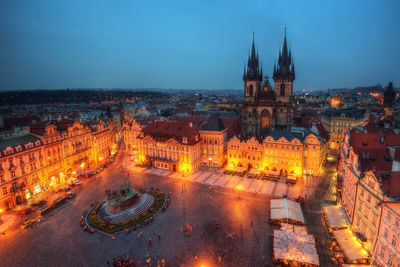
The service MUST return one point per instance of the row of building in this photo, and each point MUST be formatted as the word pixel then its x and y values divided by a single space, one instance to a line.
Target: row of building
pixel 183 147
pixel 46 155
pixel 369 189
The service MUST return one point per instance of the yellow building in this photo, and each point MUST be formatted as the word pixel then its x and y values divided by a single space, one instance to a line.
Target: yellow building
pixel 295 152
pixel 336 121
pixel 49 157
pixel 173 146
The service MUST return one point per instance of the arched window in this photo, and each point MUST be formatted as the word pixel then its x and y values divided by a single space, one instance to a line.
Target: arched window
pixel 282 89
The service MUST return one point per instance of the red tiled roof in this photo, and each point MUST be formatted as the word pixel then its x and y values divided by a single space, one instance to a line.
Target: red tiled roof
pixel 165 130
pixel 26 120
pixel 63 124
pixel 232 124
pixel 38 128
pixel 197 121
pixel 372 149
pixel 391 185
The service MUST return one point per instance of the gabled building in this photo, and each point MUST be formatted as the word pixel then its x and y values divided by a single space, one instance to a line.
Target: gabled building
pixel 298 151
pixel 367 169
pixel 173 146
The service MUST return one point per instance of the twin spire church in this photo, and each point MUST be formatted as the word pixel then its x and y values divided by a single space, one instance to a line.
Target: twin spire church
pixel 266 108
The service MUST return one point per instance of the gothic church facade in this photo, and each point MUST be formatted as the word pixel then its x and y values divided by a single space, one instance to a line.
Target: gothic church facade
pixel 266 108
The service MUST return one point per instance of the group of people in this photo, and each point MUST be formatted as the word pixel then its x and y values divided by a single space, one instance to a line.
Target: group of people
pixel 126 261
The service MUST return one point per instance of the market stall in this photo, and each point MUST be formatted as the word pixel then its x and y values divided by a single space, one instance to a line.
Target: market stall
pixel 298 229
pixel 335 217
pixel 352 249
pixel 253 172
pixel 284 210
pixel 239 170
pixel 294 249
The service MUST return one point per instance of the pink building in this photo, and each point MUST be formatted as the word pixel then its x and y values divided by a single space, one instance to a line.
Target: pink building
pixel 368 167
pixel 387 249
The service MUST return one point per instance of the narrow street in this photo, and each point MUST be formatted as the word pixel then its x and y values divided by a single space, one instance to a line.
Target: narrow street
pixel 313 213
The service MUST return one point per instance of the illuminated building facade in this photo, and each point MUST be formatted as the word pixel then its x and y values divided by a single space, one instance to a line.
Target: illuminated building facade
pixel 48 157
pixel 173 146
pixel 132 129
pixel 288 152
pixel 214 141
pixel 369 170
pixel 335 121
pixel 387 249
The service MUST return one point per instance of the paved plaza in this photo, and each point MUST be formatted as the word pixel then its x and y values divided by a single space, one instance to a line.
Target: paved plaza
pixel 241 239
pixel 212 177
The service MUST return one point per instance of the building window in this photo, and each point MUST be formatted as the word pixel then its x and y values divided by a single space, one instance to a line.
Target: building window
pixel 282 89
pixel 2 178
pixel 394 241
pixel 4 190
pixel 390 260
pixel 385 234
pixel 382 252
pixel 389 216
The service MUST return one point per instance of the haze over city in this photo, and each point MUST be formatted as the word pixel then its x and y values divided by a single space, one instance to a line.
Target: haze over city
pixel 194 44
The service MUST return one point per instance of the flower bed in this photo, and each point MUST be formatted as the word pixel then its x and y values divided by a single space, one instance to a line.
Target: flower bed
pixel 96 222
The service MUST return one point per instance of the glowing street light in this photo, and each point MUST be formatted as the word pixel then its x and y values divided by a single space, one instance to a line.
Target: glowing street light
pixel 1 211
pixel 239 187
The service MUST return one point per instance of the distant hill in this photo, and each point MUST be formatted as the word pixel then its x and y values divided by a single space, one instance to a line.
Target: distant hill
pixel 70 96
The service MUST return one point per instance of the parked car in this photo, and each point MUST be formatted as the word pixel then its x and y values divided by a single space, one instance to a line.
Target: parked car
pixel 28 224
pixel 25 211
pixel 39 203
pixel 60 200
pixel 44 210
pixel 77 182
pixel 66 188
pixel 71 195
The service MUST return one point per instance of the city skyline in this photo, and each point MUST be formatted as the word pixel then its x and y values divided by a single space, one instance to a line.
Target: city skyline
pixel 200 45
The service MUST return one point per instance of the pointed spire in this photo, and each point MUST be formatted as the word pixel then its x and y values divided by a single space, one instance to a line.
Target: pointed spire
pixel 252 63
pixel 284 67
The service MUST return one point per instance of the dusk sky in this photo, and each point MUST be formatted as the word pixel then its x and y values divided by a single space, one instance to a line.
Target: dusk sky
pixel 195 44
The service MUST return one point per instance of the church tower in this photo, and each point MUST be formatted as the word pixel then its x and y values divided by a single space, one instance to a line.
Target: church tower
pixel 252 77
pixel 284 75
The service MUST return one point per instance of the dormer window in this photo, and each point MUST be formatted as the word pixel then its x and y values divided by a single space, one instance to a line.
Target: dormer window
pixel 184 140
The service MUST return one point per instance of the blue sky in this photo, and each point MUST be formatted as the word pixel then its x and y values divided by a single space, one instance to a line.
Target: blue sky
pixel 194 44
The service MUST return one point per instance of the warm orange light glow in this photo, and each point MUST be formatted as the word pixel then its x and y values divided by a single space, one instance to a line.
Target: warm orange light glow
pixel 100 158
pixel 74 172
pixel 239 187
pixel 335 101
pixel 1 211
pixel 82 164
pixel 136 160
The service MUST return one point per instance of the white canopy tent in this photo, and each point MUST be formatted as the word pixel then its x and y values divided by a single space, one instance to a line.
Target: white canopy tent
pixel 283 209
pixel 297 247
pixel 350 245
pixel 335 217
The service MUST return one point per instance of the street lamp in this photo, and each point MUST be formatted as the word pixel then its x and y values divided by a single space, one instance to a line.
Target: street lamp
pixel 1 211
pixel 239 187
